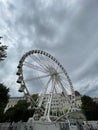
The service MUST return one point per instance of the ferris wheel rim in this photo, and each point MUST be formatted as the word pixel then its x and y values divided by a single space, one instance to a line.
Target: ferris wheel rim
pixel 49 56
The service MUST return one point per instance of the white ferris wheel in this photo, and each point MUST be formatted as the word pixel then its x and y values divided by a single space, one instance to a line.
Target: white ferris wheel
pixel 40 71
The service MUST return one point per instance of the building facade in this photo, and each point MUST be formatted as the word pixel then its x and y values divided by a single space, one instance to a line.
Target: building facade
pixel 60 103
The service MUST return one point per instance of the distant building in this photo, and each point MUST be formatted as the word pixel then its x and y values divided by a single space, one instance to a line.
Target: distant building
pixel 59 102
pixel 95 100
pixel 78 99
pixel 12 102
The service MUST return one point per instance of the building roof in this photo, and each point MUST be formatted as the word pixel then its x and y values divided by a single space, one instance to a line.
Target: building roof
pixel 77 93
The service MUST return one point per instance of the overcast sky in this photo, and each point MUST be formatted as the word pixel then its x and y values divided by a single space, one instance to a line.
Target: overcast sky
pixel 67 29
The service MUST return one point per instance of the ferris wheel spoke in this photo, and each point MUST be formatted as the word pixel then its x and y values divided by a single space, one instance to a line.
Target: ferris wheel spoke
pixel 42 94
pixel 64 80
pixel 38 61
pixel 35 67
pixel 62 87
pixel 55 90
pixel 47 60
pixel 58 68
pixel 64 90
pixel 43 62
pixel 66 85
pixel 51 62
pixel 55 84
pixel 35 78
pixel 46 86
pixel 58 88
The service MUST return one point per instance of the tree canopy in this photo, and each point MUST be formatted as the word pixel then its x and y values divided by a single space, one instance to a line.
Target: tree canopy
pixel 89 108
pixel 19 112
pixel 4 97
pixel 3 53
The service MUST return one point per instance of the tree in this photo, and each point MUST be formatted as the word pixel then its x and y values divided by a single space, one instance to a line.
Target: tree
pixel 35 96
pixel 3 89
pixel 3 53
pixel 19 112
pixel 89 108
pixel 4 97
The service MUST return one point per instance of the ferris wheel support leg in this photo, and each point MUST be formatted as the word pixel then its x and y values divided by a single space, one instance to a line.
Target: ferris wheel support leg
pixel 46 117
pixel 43 93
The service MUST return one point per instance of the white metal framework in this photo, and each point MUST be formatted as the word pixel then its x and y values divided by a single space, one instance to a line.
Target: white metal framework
pixel 38 70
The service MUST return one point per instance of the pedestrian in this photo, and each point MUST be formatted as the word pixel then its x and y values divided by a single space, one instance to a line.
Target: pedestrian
pixel 91 127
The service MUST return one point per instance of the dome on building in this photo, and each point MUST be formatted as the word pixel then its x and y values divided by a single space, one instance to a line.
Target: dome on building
pixel 77 93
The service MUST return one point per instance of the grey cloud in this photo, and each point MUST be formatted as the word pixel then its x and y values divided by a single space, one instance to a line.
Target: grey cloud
pixel 93 91
pixel 66 30
pixel 87 86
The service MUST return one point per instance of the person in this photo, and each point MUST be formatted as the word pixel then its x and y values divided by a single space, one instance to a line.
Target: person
pixel 87 127
pixel 10 127
pixel 91 128
pixel 81 127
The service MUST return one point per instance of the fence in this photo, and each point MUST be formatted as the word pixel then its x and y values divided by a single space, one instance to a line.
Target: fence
pixel 47 126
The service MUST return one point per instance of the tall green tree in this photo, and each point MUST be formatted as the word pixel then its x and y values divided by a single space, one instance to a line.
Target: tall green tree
pixel 3 49
pixel 4 97
pixel 89 108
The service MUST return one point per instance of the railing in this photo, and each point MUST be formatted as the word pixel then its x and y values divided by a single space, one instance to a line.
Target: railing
pixel 48 126
pixel 16 126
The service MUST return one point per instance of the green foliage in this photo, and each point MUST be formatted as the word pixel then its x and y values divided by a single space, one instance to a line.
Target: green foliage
pixel 1 116
pixel 89 108
pixel 19 112
pixel 35 96
pixel 56 113
pixel 3 53
pixel 8 115
pixel 4 97
pixel 65 110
